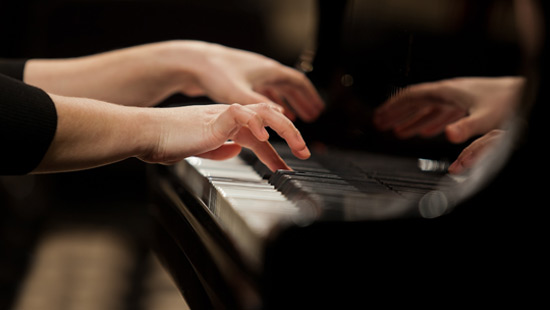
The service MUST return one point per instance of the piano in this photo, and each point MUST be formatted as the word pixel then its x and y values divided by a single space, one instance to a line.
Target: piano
pixel 369 219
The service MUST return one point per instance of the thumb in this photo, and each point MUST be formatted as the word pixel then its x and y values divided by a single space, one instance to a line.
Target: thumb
pixel 464 129
pixel 225 151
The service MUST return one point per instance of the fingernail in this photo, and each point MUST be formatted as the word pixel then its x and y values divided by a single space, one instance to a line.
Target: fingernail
pixel 305 152
pixel 454 133
pixel 265 134
pixel 454 168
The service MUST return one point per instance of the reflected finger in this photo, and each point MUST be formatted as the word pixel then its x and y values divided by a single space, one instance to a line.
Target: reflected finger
pixel 440 122
pixel 274 96
pixel 304 85
pixel 304 108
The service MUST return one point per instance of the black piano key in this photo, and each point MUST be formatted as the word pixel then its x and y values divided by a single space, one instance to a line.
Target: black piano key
pixel 329 180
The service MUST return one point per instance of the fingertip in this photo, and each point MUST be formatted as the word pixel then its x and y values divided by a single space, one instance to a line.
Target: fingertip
pixel 302 153
pixel 463 129
pixel 454 168
pixel 454 133
pixel 305 153
pixel 264 135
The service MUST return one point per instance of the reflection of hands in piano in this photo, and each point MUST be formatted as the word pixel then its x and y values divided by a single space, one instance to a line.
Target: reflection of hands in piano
pixel 462 107
pixel 145 75
pixel 473 152
pixel 205 131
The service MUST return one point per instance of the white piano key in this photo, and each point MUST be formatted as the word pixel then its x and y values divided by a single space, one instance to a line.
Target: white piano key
pixel 272 195
pixel 244 201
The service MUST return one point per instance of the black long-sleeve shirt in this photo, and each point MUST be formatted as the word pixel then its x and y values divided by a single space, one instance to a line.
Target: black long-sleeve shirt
pixel 28 121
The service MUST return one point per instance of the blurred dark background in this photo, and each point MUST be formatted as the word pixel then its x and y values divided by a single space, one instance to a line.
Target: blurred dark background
pixel 363 52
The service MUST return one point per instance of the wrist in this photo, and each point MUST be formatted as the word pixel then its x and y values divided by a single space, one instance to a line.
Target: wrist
pixel 186 61
pixel 148 132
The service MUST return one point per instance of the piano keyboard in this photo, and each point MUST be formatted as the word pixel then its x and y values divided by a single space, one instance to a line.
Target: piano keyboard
pixel 249 202
pixel 257 201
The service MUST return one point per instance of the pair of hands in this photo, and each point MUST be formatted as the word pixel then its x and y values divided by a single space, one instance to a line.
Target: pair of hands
pixel 268 93
pixel 461 108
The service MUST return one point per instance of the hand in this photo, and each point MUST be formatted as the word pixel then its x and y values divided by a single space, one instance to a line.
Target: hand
pixel 92 133
pixel 462 107
pixel 471 154
pixel 147 74
pixel 205 130
pixel 230 75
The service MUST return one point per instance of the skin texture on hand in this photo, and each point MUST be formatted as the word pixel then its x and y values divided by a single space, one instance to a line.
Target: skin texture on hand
pixel 103 103
pixel 93 133
pixel 250 78
pixel 204 131
pixel 145 75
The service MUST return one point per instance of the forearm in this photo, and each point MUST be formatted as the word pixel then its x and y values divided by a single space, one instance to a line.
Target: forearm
pixel 92 133
pixel 139 76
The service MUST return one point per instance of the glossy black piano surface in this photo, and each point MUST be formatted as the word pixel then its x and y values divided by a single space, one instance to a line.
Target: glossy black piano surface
pixel 372 218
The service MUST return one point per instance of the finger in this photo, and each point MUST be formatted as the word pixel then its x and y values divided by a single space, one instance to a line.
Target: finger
pixel 466 158
pixel 410 126
pixel 396 112
pixel 464 129
pixel 431 122
pixel 439 122
pixel 301 94
pixel 307 110
pixel 300 82
pixel 252 97
pixel 263 150
pixel 229 122
pixel 225 151
pixel 284 128
pixel 459 166
pixel 404 103
pixel 276 97
pixel 473 152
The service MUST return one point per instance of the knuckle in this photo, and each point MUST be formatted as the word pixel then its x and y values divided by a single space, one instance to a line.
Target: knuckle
pixel 234 109
pixel 264 106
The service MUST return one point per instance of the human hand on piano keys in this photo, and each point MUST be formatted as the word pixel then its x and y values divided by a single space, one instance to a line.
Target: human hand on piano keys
pixel 92 133
pixel 218 131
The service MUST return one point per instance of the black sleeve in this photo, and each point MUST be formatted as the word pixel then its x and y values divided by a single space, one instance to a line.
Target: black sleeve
pixel 28 121
pixel 13 68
